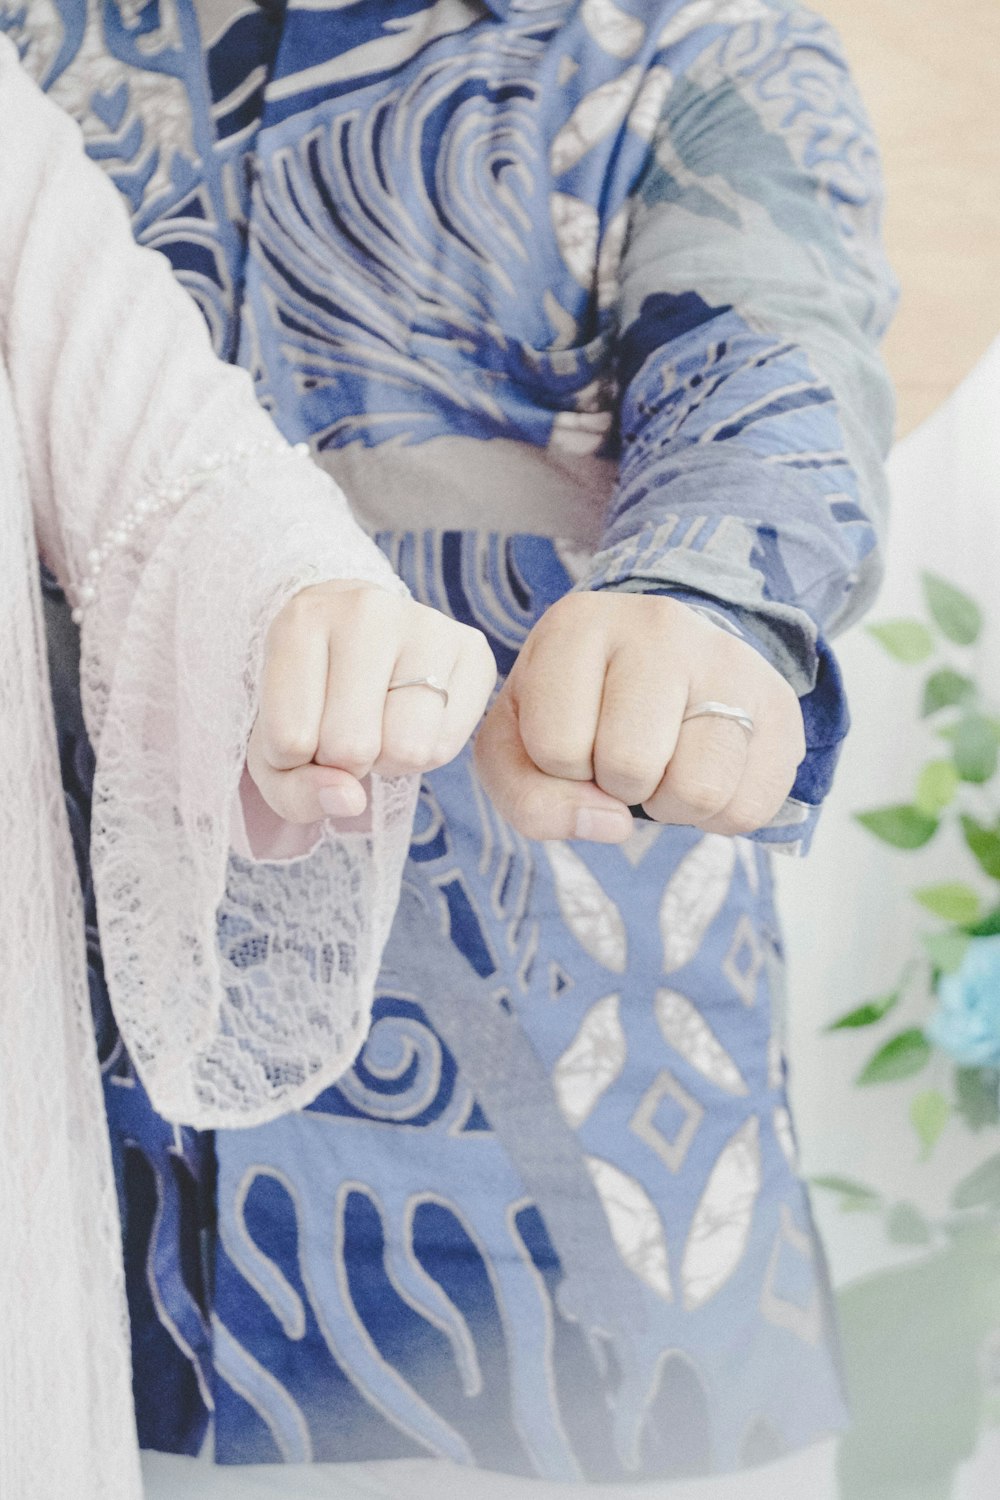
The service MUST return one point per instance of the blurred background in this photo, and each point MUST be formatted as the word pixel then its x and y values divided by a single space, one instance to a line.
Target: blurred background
pixel 930 75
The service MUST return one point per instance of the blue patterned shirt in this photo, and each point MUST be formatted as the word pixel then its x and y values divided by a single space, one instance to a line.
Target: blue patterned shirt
pixel 640 237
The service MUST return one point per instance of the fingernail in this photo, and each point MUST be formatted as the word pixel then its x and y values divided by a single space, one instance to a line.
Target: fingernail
pixel 602 825
pixel 341 801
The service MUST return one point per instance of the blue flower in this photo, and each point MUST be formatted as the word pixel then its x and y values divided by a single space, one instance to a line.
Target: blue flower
pixel 967 1021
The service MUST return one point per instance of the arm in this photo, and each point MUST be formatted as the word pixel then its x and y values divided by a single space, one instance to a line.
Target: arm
pixel 754 416
pixel 182 525
pixel 755 412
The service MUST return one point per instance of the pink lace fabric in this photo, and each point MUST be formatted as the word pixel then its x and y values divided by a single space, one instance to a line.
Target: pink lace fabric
pixel 110 398
pixel 231 1033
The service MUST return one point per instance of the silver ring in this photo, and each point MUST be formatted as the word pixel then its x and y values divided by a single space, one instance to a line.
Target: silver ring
pixel 427 682
pixel 720 711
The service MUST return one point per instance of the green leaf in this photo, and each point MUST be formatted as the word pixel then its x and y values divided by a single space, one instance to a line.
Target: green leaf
pixel 977 1096
pixel 900 1057
pixel 988 926
pixel 930 1112
pixel 907 640
pixel 907 1225
pixel 946 950
pixel 903 826
pixel 865 1015
pixel 974 748
pixel 936 786
pixel 981 1189
pixel 985 845
pixel 952 900
pixel 956 615
pixel 854 1196
pixel 946 688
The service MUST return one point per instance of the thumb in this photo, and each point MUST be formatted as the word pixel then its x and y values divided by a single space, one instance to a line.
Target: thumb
pixel 541 806
pixel 304 794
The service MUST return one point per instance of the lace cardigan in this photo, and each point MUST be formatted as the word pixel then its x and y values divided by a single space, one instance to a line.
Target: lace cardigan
pixel 179 523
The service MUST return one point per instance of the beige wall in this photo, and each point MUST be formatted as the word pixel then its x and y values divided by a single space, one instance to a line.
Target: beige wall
pixel 930 73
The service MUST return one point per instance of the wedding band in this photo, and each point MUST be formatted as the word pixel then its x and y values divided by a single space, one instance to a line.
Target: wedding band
pixel 427 682
pixel 720 711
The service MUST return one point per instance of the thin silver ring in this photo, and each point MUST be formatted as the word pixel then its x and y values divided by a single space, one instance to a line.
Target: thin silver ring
pixel 720 711
pixel 427 682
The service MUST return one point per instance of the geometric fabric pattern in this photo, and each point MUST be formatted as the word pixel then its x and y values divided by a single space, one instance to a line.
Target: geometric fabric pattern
pixel 499 254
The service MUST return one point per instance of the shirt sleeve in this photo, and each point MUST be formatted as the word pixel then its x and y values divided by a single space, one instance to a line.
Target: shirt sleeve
pixel 755 413
pixel 180 522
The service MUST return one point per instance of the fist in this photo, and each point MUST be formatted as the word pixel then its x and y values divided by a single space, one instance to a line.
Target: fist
pixel 591 722
pixel 327 718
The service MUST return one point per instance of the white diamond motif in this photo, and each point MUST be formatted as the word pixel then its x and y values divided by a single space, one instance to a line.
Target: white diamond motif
pixel 744 961
pixel 643 1122
pixel 644 836
pixel 806 1322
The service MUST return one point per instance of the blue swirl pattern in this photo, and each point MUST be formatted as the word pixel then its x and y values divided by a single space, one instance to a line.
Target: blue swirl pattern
pixel 550 1222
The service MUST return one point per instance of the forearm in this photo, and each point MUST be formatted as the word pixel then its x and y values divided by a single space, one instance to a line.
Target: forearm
pixel 181 523
pixel 754 412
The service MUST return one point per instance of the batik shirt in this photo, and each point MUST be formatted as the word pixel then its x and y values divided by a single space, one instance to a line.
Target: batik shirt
pixel 641 242
pixel 566 294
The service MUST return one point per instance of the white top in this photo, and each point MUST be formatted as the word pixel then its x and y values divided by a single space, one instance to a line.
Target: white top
pixel 179 523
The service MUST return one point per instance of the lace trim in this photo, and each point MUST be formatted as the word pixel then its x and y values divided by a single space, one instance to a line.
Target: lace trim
pixel 169 498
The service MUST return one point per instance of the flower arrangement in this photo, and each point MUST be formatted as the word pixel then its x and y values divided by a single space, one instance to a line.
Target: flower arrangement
pixel 939 1309
pixel 958 966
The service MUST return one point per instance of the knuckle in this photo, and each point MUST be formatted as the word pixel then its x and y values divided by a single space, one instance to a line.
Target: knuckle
pixel 785 708
pixel 349 751
pixel 713 781
pixel 288 742
pixel 475 656
pixel 757 804
pixel 303 611
pixel 570 606
pixel 568 617
pixel 747 818
pixel 734 655
pixel 531 814
pixel 622 770
pixel 703 795
pixel 470 636
pixel 409 755
pixel 557 756
pixel 305 602
pixel 441 753
pixel 369 603
pixel 483 651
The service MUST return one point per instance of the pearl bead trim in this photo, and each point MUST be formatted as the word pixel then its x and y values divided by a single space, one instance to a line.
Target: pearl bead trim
pixel 171 497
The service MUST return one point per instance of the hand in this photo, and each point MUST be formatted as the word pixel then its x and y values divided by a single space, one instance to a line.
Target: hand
pixel 326 719
pixel 589 723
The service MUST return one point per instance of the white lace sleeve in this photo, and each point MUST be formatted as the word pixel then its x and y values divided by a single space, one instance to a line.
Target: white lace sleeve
pixel 180 524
